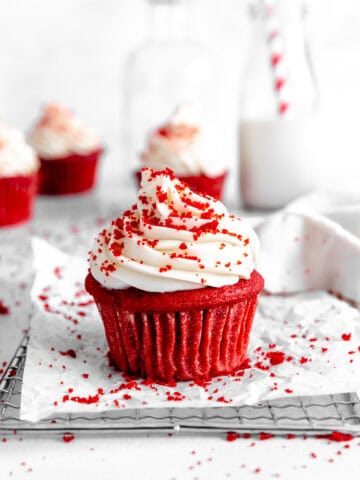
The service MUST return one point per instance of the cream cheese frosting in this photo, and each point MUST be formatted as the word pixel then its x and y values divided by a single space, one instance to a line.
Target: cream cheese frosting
pixel 16 156
pixel 59 133
pixel 184 146
pixel 173 239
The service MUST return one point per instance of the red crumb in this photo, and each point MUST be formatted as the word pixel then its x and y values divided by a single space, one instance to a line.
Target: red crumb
pixel 68 438
pixel 346 337
pixel 223 400
pixel 69 353
pixel 126 396
pixel 3 309
pixel 57 272
pixel 313 455
pixel 337 437
pixel 86 400
pixel 265 436
pixel 275 357
pixel 232 436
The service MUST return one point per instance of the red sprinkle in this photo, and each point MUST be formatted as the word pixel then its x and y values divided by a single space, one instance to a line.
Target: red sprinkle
pixel 3 309
pixel 57 272
pixel 69 353
pixel 275 357
pixel 232 436
pixel 68 438
pixel 223 400
pixel 337 437
pixel 265 436
pixel 346 337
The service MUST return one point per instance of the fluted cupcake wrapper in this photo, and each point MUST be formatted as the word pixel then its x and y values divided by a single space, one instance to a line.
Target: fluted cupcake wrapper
pixel 17 199
pixel 69 175
pixel 183 345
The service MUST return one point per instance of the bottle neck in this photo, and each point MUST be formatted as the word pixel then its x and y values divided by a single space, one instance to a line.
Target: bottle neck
pixel 169 21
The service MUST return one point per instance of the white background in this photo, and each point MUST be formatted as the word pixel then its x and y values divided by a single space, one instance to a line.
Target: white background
pixel 73 51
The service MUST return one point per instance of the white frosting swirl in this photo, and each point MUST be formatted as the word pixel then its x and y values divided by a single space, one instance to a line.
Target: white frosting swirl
pixel 16 157
pixel 173 239
pixel 180 144
pixel 59 133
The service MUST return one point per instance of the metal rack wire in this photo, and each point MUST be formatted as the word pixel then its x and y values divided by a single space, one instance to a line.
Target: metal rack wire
pixel 297 415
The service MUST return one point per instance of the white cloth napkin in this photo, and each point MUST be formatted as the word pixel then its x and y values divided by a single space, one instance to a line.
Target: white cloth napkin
pixel 313 244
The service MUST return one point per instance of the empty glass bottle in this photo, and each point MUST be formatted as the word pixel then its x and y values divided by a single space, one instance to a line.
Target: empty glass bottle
pixel 170 68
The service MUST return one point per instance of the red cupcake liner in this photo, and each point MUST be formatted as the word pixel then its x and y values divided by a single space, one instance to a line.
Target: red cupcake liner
pixel 213 186
pixel 17 198
pixel 67 175
pixel 179 344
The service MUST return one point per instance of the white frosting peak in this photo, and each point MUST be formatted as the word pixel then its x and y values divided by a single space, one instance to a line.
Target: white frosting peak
pixel 59 133
pixel 16 157
pixel 185 147
pixel 184 114
pixel 173 239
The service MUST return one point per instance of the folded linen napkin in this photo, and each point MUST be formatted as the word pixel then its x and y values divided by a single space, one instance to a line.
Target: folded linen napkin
pixel 314 243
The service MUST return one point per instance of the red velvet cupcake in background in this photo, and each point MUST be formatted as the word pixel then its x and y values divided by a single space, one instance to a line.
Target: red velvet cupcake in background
pixel 69 152
pixel 175 284
pixel 19 167
pixel 192 152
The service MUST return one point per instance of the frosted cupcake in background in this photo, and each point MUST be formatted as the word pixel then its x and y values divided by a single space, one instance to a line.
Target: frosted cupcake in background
pixel 68 150
pixel 193 153
pixel 19 167
pixel 175 283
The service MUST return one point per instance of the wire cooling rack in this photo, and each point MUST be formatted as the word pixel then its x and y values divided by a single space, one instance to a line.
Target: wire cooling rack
pixel 298 415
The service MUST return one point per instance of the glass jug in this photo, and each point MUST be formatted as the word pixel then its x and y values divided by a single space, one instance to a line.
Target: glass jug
pixel 278 120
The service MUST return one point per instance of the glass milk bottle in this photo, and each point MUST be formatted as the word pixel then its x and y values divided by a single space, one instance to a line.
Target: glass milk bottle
pixel 169 69
pixel 278 120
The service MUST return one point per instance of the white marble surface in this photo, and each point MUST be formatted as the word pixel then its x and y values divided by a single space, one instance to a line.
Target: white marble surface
pixel 162 457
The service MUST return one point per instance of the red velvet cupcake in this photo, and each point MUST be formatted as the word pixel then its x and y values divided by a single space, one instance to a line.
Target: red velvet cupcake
pixel 69 152
pixel 18 178
pixel 191 152
pixel 175 285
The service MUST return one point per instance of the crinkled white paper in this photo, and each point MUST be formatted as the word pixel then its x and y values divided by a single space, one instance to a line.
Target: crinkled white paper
pixel 304 344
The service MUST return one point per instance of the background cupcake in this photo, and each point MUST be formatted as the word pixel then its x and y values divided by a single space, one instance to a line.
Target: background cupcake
pixel 174 282
pixel 18 177
pixel 192 152
pixel 68 150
